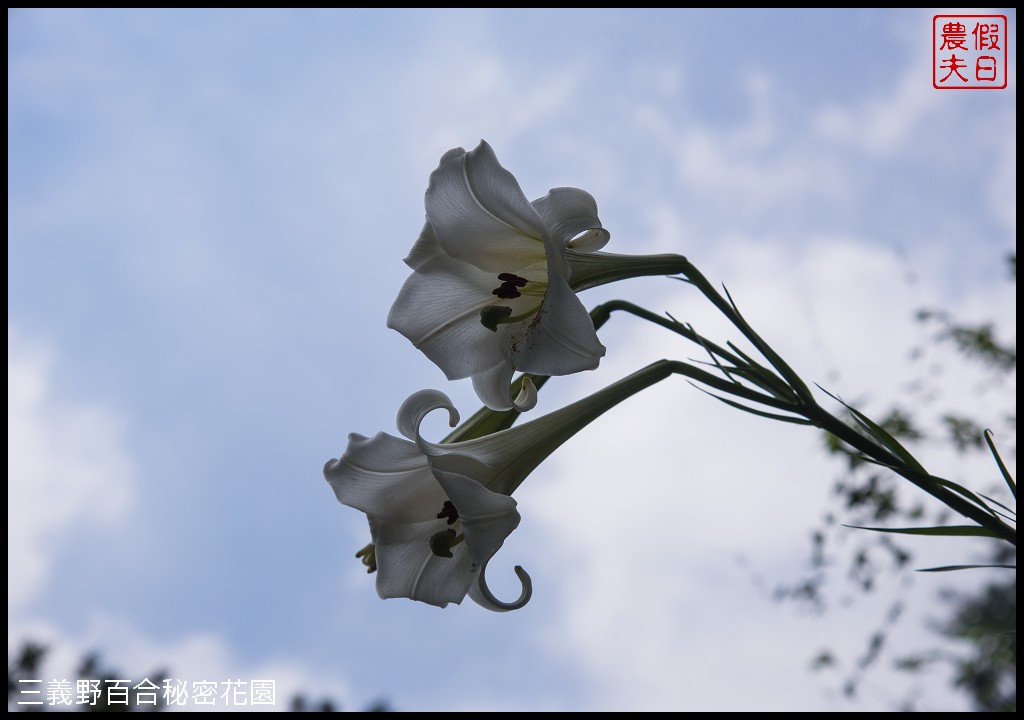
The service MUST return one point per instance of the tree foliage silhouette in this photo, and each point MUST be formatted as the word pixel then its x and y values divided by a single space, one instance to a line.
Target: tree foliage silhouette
pixel 867 495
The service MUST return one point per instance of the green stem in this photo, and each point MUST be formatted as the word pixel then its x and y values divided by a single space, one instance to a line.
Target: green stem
pixel 694 276
pixel 766 380
pixel 590 270
pixel 788 393
pixel 829 423
pixel 800 400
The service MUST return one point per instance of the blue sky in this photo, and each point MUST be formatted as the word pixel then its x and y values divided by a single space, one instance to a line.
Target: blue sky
pixel 207 212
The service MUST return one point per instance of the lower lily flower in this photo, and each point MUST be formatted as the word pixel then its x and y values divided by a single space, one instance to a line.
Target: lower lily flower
pixel 495 276
pixel 438 512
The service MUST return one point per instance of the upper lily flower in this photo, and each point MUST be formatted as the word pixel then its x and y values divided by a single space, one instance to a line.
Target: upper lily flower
pixel 438 512
pixel 490 294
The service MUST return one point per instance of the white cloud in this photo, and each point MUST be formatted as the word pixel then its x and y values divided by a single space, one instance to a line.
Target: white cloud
pixel 68 470
pixel 883 125
pixel 1002 186
pixel 196 657
pixel 67 467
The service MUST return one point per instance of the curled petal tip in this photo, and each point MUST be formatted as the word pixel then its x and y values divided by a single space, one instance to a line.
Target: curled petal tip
pixel 485 598
pixel 418 406
pixel 590 240
pixel 527 397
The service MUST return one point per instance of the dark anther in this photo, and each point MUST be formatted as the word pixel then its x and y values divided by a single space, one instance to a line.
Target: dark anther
pixel 448 511
pixel 514 279
pixel 509 288
pixel 506 292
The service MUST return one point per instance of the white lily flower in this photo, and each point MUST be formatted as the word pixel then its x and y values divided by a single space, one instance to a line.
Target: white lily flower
pixel 438 512
pixel 490 294
pixel 434 516
pixel 495 277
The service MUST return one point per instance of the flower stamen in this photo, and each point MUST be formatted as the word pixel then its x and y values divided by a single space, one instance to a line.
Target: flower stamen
pixel 494 315
pixel 449 512
pixel 510 284
pixel 491 315
pixel 441 543
pixel 369 557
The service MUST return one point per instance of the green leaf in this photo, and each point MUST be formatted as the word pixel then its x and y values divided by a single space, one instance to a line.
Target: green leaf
pixel 1010 514
pixel 883 436
pixel 774 359
pixel 762 413
pixel 925 477
pixel 880 434
pixel 950 568
pixel 960 489
pixel 999 461
pixel 947 530
pixel 767 380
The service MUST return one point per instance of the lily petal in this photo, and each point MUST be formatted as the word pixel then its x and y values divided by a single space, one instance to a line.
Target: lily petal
pixel 385 477
pixel 571 216
pixel 526 399
pixel 425 248
pixel 438 310
pixel 487 517
pixel 480 214
pixel 492 387
pixel 420 404
pixel 562 339
pixel 407 568
pixel 483 596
